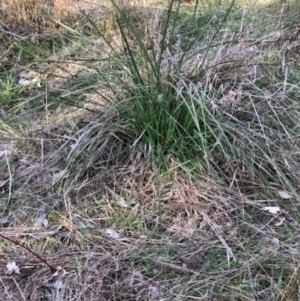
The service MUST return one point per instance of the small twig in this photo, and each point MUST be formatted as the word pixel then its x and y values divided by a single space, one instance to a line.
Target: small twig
pixel 17 243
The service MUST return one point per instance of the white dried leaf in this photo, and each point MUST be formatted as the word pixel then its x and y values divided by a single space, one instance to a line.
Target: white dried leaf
pixel 58 176
pixel 11 268
pixel 274 241
pixel 45 222
pixel 57 285
pixel 119 199
pixel 41 221
pixel 272 244
pixel 280 222
pixel 3 183
pixel 272 209
pixel 55 274
pixel 113 234
pixel 139 276
pixel 121 202
pixel 154 292
pixel 29 78
pixel 284 195
pixel 82 225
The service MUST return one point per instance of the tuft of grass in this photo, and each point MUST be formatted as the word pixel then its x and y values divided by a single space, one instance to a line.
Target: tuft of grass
pixel 153 100
pixel 170 99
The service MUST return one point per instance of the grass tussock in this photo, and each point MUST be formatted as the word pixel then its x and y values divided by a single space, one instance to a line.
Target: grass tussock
pixel 151 155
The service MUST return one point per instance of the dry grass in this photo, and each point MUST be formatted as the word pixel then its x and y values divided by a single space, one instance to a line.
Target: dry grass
pixel 176 241
pixel 36 13
pixel 121 229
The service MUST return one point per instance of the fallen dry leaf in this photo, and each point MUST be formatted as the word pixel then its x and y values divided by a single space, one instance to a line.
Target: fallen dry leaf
pixel 113 234
pixel 58 176
pixel 65 223
pixel 3 183
pixel 154 292
pixel 11 268
pixel 119 199
pixel 41 221
pixel 284 195
pixel 272 209
pixel 280 222
pixel 58 284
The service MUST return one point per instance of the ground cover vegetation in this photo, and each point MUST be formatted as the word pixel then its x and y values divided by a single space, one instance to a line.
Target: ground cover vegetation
pixel 149 150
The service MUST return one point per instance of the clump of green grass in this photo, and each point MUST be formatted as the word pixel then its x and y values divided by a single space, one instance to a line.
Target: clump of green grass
pixel 170 99
pixel 155 115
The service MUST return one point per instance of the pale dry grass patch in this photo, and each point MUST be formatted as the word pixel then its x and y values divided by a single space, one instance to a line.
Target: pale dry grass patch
pixel 135 260
pixel 35 13
pixel 177 237
pixel 67 9
pixel 27 11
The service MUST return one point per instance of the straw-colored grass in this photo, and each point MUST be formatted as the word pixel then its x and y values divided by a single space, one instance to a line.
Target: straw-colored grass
pixel 155 154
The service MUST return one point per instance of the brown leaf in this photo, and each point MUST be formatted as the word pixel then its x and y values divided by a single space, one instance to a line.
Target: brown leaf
pixel 65 223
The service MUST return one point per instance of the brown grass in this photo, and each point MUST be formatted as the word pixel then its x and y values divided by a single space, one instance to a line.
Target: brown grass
pixel 36 12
